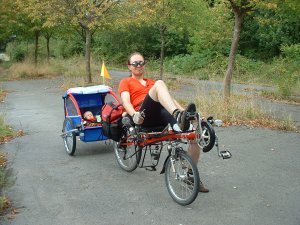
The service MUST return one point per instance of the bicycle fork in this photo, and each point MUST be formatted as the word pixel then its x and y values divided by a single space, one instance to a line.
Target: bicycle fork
pixel 172 148
pixel 172 159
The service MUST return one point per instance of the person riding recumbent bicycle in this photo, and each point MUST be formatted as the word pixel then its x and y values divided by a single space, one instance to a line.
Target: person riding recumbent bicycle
pixel 156 118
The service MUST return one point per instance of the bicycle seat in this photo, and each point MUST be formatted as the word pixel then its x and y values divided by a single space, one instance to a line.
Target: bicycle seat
pixel 130 122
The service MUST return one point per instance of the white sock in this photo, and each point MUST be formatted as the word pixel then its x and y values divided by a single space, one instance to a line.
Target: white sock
pixel 176 128
pixel 191 127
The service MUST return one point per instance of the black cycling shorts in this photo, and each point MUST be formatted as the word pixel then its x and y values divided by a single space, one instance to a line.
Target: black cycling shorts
pixel 155 114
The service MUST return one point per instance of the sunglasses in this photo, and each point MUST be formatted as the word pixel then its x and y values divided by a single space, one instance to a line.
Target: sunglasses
pixel 137 63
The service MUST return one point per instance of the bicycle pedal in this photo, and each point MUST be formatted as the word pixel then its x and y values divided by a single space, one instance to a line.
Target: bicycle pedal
pixel 153 168
pixel 225 154
pixel 155 156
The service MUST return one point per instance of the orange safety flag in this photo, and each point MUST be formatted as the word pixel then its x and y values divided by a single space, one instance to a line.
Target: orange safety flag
pixel 104 72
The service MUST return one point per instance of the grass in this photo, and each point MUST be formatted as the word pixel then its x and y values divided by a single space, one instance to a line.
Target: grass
pixel 236 112
pixel 275 96
pixel 71 72
pixel 2 95
pixel 74 73
pixel 6 65
pixel 6 178
pixel 241 110
pixel 281 73
pixel 5 181
pixel 6 133
pixel 28 71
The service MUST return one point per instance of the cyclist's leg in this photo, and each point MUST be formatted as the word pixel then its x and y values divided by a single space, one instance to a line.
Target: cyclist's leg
pixel 152 111
pixel 157 115
pixel 194 153
pixel 178 105
pixel 160 93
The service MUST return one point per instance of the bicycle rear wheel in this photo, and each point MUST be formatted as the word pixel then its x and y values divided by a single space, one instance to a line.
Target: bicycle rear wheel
pixel 128 157
pixel 182 187
pixel 69 138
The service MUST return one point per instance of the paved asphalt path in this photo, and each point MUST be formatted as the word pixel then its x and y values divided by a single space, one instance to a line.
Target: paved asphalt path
pixel 259 185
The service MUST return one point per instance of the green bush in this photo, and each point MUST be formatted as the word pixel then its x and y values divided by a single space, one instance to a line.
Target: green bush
pixel 284 73
pixel 186 64
pixel 69 48
pixel 287 81
pixel 19 54
pixel 292 51
pixel 153 65
pixel 247 69
pixel 214 70
pixel 19 50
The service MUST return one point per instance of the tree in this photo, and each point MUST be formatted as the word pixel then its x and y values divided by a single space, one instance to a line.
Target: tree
pixel 272 24
pixel 89 14
pixel 7 22
pixel 164 15
pixel 209 30
pixel 278 25
pixel 33 17
pixel 240 8
pixel 48 33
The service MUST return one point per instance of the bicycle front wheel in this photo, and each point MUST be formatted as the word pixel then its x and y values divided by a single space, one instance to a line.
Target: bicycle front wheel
pixel 182 178
pixel 128 157
pixel 207 139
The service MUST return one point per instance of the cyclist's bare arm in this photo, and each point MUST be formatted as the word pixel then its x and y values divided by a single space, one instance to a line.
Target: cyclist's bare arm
pixel 125 96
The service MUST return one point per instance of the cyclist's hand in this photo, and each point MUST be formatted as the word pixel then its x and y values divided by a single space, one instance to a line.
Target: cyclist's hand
pixel 138 118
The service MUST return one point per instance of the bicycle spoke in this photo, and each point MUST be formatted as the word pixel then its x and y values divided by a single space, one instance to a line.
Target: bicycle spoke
pixel 180 185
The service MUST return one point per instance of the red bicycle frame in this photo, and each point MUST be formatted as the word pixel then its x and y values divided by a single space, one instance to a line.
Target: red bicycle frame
pixel 143 139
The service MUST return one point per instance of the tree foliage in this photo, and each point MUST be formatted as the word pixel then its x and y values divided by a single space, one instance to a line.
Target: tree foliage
pixel 8 22
pixel 187 34
pixel 164 16
pixel 211 28
pixel 90 15
pixel 271 25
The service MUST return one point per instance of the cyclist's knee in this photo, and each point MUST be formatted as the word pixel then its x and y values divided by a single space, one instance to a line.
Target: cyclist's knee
pixel 160 83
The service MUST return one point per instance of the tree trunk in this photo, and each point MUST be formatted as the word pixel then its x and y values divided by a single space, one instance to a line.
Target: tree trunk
pixel 88 39
pixel 234 45
pixel 37 35
pixel 48 48
pixel 162 30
